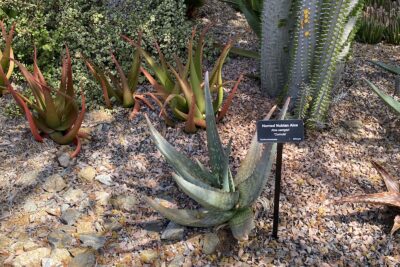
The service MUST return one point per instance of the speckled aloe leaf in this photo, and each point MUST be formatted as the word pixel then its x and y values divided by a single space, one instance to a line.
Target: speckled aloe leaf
pixel 391 68
pixel 384 198
pixel 389 101
pixel 251 188
pixel 208 197
pixel 215 149
pixel 181 164
pixel 242 223
pixel 193 218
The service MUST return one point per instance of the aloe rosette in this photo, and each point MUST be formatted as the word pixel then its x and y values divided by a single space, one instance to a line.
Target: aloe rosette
pixel 52 113
pixel 5 56
pixel 182 88
pixel 224 198
pixel 121 87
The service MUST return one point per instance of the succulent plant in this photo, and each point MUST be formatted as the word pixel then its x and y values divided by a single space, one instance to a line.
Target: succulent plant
pixel 58 116
pixel 182 88
pixel 389 198
pixel 303 44
pixel 389 101
pixel 224 198
pixel 121 88
pixel 380 21
pixel 5 56
pixel 251 9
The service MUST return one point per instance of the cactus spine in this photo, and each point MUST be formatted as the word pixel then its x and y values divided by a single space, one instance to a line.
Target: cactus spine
pixel 319 40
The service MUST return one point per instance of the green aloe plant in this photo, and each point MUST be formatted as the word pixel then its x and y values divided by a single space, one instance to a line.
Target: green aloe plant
pixel 389 198
pixel 53 113
pixel 224 198
pixel 252 10
pixel 303 44
pixel 182 87
pixel 389 101
pixel 6 55
pixel 121 87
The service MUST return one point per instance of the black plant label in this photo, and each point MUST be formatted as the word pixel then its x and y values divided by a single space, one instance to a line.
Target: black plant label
pixel 280 131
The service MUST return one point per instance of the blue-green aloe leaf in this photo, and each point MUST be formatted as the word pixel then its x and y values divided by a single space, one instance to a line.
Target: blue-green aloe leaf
pixel 193 218
pixel 182 164
pixel 251 188
pixel 214 144
pixel 209 198
pixel 389 101
pixel 249 163
pixel 391 68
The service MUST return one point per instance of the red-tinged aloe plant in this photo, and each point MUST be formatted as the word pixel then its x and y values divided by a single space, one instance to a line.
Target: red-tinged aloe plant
pixel 389 198
pixel 122 87
pixel 182 88
pixel 52 113
pixel 5 56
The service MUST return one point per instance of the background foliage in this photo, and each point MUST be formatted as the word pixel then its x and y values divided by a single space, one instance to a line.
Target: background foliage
pixel 380 21
pixel 92 28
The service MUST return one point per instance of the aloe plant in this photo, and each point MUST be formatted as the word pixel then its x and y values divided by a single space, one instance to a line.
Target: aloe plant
pixel 251 9
pixel 389 198
pixel 303 43
pixel 224 198
pixel 58 116
pixel 389 101
pixel 123 87
pixel 182 87
pixel 5 56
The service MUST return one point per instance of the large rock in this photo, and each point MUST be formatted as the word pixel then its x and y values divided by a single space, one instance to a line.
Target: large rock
pixel 64 160
pixel 85 259
pixel 54 183
pixel 69 216
pixel 87 174
pixel 104 179
pixel 31 258
pixel 93 241
pixel 59 239
pixel 173 232
pixel 148 255
pixel 210 243
pixel 124 203
pixel 74 196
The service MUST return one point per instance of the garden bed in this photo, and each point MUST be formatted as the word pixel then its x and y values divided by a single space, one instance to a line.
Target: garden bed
pixel 122 165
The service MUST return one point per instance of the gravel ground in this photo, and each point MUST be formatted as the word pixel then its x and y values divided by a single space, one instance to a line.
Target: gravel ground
pixel 90 210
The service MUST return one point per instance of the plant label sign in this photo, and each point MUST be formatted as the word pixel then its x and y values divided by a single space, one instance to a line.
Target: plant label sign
pixel 280 131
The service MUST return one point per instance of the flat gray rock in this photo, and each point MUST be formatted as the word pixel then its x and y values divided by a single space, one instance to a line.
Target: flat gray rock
pixel 69 216
pixel 59 239
pixel 93 241
pixel 85 259
pixel 104 179
pixel 124 202
pixel 173 232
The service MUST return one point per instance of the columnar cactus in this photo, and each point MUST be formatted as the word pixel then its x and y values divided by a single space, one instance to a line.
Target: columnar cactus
pixel 314 45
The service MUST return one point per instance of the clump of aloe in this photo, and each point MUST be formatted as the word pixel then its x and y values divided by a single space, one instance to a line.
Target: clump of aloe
pixel 5 56
pixel 52 113
pixel 182 87
pixel 223 197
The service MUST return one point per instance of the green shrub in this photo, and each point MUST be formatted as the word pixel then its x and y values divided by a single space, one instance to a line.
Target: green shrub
pixel 92 28
pixel 380 21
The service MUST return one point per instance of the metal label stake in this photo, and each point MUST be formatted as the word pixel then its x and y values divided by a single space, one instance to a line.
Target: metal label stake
pixel 278 176
pixel 279 131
